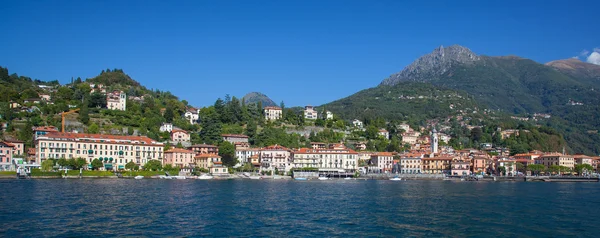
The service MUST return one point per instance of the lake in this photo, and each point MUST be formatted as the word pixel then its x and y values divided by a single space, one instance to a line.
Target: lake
pixel 280 208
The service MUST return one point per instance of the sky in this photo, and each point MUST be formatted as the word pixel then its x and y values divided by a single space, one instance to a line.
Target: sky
pixel 307 52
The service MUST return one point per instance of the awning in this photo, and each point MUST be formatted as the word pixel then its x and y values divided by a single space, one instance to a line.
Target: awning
pixel 121 152
pixel 108 166
pixel 90 151
pixel 110 159
pixel 90 166
pixel 121 167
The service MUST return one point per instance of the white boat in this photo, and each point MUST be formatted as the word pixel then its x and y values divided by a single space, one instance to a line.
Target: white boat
pixel 300 179
pixel 178 177
pixel 205 177
pixel 323 178
pixel 347 178
pixel 395 179
pixel 255 177
pixel 139 177
pixel 164 177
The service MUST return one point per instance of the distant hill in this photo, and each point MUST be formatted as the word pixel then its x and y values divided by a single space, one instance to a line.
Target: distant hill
pixel 406 100
pixel 579 70
pixel 255 97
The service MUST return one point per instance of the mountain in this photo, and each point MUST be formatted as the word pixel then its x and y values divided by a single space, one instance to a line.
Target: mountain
pixel 431 65
pixel 411 101
pixel 566 89
pixel 586 72
pixel 255 97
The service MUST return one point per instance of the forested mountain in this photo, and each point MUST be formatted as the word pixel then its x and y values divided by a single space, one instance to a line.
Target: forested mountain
pixel 256 97
pixel 567 90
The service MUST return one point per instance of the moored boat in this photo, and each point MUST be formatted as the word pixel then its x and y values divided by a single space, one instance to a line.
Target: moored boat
pixel 139 177
pixel 300 179
pixel 205 177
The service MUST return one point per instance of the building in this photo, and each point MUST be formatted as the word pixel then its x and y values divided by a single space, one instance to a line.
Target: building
pixel 240 141
pixel 384 133
pixel 117 100
pixel 360 146
pixel 310 113
pixel 113 151
pixel 460 167
pixel 334 158
pixel 166 127
pixel 357 123
pixel 404 127
pixel 382 161
pixel 410 165
pixel 18 146
pixel 273 113
pixel 275 157
pixel 481 164
pixel 443 137
pixel 179 158
pixel 6 155
pixel 583 159
pixel 45 97
pixel 556 159
pixel 409 139
pixel 180 136
pixel 204 149
pixel 212 163
pixel 436 165
pixel 318 145
pixel 243 155
pixel 192 114
pixel 328 115
pixel 510 165
pixel 434 141
pixel 43 130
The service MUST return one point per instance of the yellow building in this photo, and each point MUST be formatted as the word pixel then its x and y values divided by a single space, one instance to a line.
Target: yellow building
pixel 436 165
pixel 556 159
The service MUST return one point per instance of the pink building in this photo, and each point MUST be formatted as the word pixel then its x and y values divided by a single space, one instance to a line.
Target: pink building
pixel 179 158
pixel 178 136
pixel 461 167
pixel 19 146
pixel 6 152
pixel 275 157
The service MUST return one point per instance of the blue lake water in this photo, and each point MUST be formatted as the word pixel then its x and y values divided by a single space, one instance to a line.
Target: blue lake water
pixel 255 208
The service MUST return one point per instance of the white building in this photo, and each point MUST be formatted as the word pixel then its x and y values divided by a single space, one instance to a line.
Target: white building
pixel 338 157
pixel 275 157
pixel 444 137
pixel 117 100
pixel 272 113
pixel 328 115
pixel 192 114
pixel 434 141
pixel 384 133
pixel 310 113
pixel 357 123
pixel 243 155
pixel 382 161
pixel 166 127
pixel 404 127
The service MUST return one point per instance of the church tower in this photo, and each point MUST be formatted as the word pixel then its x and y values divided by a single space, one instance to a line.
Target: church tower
pixel 434 142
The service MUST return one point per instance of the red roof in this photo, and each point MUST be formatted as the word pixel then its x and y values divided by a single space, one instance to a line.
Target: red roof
pixel 206 156
pixel 179 150
pixel 324 151
pixel 383 154
pixel 272 108
pixel 46 128
pixel 234 135
pixel 203 146
pixel 178 130
pixel 275 147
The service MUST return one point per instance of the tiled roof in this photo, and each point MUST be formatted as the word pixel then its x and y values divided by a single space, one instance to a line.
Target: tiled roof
pixel 234 135
pixel 203 146
pixel 45 128
pixel 179 150
pixel 383 154
pixel 179 130
pixel 324 151
pixel 207 156
pixel 272 108
pixel 275 147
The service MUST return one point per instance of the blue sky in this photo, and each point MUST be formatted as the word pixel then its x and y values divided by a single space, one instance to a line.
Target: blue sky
pixel 301 52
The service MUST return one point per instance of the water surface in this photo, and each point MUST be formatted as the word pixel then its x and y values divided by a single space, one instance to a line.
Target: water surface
pixel 258 208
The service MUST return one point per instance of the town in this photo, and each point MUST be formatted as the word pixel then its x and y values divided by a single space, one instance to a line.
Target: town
pixel 424 150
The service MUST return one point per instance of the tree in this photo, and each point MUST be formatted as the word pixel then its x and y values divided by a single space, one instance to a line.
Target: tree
pixel 520 167
pixel 502 170
pixel 96 164
pixel 169 114
pixel 227 153
pixel 48 165
pixel 62 162
pixel 131 166
pixel 98 100
pixel 583 168
pixel 251 129
pixel 536 168
pixel 84 116
pixel 153 165
pixel 26 134
pixel 93 129
pixel 76 163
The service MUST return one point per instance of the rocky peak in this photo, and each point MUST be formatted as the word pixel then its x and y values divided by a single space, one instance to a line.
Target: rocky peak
pixel 433 64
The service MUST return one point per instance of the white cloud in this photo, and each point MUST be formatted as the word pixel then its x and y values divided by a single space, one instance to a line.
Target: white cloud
pixel 584 53
pixel 594 58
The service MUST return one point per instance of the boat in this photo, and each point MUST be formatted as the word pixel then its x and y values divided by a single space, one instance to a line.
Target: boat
pixel 139 177
pixel 255 177
pixel 178 177
pixel 323 178
pixel 164 177
pixel 396 179
pixel 205 177
pixel 347 178
pixel 300 178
